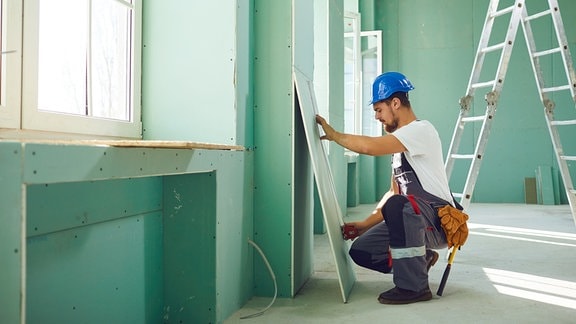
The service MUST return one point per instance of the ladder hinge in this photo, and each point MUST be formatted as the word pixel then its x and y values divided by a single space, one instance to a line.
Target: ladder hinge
pixel 549 105
pixel 465 102
pixel 492 97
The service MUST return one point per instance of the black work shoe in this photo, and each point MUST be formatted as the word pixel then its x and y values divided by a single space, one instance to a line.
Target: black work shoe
pixel 397 296
pixel 431 258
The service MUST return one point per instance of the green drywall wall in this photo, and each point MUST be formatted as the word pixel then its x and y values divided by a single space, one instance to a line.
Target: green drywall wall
pixel 190 285
pixel 190 70
pixel 435 48
pixel 89 206
pixel 273 115
pixel 11 233
pixel 94 251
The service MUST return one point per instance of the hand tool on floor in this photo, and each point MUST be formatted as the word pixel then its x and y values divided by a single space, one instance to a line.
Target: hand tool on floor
pixel 447 270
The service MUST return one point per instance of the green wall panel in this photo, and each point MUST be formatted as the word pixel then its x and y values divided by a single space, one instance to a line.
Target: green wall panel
pixel 103 206
pixel 190 248
pixel 103 273
pixel 11 233
pixel 273 115
pixel 86 203
pixel 189 71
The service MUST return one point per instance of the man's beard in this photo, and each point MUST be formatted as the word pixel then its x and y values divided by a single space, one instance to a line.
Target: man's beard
pixel 391 127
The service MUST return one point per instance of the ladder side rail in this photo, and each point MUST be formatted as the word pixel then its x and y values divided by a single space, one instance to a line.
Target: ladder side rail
pixel 563 44
pixel 483 43
pixel 534 59
pixel 476 162
pixel 455 142
pixel 562 163
pixel 474 76
pixel 510 39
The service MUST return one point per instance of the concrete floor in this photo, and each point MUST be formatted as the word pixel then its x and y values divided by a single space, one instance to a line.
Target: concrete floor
pixel 518 266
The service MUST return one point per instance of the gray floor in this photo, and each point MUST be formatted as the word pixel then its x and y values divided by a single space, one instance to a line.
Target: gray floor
pixel 518 266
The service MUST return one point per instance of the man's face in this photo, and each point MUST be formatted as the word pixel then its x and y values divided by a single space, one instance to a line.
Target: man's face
pixel 385 114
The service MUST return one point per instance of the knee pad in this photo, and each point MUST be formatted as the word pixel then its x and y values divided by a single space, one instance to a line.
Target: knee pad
pixel 393 211
pixel 364 259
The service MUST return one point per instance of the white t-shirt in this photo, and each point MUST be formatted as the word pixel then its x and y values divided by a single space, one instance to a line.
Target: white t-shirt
pixel 424 153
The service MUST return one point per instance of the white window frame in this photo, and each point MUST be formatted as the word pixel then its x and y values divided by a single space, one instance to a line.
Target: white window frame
pixel 10 84
pixel 36 121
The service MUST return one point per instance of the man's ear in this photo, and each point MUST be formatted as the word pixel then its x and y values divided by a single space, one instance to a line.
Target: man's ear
pixel 396 103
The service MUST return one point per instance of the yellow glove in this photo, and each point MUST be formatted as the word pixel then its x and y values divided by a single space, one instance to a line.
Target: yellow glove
pixel 454 224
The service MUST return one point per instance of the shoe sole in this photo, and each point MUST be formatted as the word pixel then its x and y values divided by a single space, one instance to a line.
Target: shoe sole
pixel 433 261
pixel 425 297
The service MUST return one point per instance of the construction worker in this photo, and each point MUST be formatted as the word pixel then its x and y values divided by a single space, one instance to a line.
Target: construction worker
pixel 401 233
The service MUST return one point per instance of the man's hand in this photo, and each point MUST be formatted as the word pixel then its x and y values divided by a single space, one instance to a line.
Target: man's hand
pixel 354 229
pixel 329 132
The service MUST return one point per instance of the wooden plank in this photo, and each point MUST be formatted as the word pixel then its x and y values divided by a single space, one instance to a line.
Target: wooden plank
pixel 135 143
pixel 325 184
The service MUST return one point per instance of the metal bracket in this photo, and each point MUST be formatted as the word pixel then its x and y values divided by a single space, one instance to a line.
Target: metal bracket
pixel 465 102
pixel 549 105
pixel 492 97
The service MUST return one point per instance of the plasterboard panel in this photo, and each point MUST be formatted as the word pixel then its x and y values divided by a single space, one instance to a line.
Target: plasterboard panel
pixel 325 184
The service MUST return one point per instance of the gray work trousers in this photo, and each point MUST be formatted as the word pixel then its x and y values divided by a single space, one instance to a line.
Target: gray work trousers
pixel 400 242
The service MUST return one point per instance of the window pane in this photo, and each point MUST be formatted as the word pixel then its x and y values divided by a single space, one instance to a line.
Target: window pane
pixel 84 59
pixel 110 59
pixel 62 56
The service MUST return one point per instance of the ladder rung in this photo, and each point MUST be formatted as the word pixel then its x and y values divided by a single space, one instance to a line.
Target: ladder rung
pixel 552 89
pixel 457 195
pixel 473 118
pixel 568 158
pixel 493 47
pixel 563 122
pixel 572 191
pixel 550 51
pixel 462 156
pixel 483 84
pixel 503 11
pixel 538 15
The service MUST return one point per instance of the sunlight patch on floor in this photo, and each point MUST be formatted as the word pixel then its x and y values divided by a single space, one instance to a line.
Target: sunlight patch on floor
pixel 522 234
pixel 536 288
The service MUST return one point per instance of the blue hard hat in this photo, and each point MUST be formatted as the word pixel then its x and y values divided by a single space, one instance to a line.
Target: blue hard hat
pixel 388 83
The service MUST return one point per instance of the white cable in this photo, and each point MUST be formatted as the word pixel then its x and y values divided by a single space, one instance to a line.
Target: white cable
pixel 271 275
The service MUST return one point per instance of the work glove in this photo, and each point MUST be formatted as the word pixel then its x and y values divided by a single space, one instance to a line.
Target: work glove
pixel 349 231
pixel 453 222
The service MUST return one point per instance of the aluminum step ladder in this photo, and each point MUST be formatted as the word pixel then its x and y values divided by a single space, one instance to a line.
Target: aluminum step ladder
pixel 517 14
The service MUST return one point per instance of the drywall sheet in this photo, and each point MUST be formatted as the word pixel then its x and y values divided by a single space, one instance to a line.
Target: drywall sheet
pixel 325 183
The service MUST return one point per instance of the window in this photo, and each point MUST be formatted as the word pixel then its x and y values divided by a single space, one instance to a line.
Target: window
pixel 81 67
pixel 352 69
pixel 362 64
pixel 371 68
